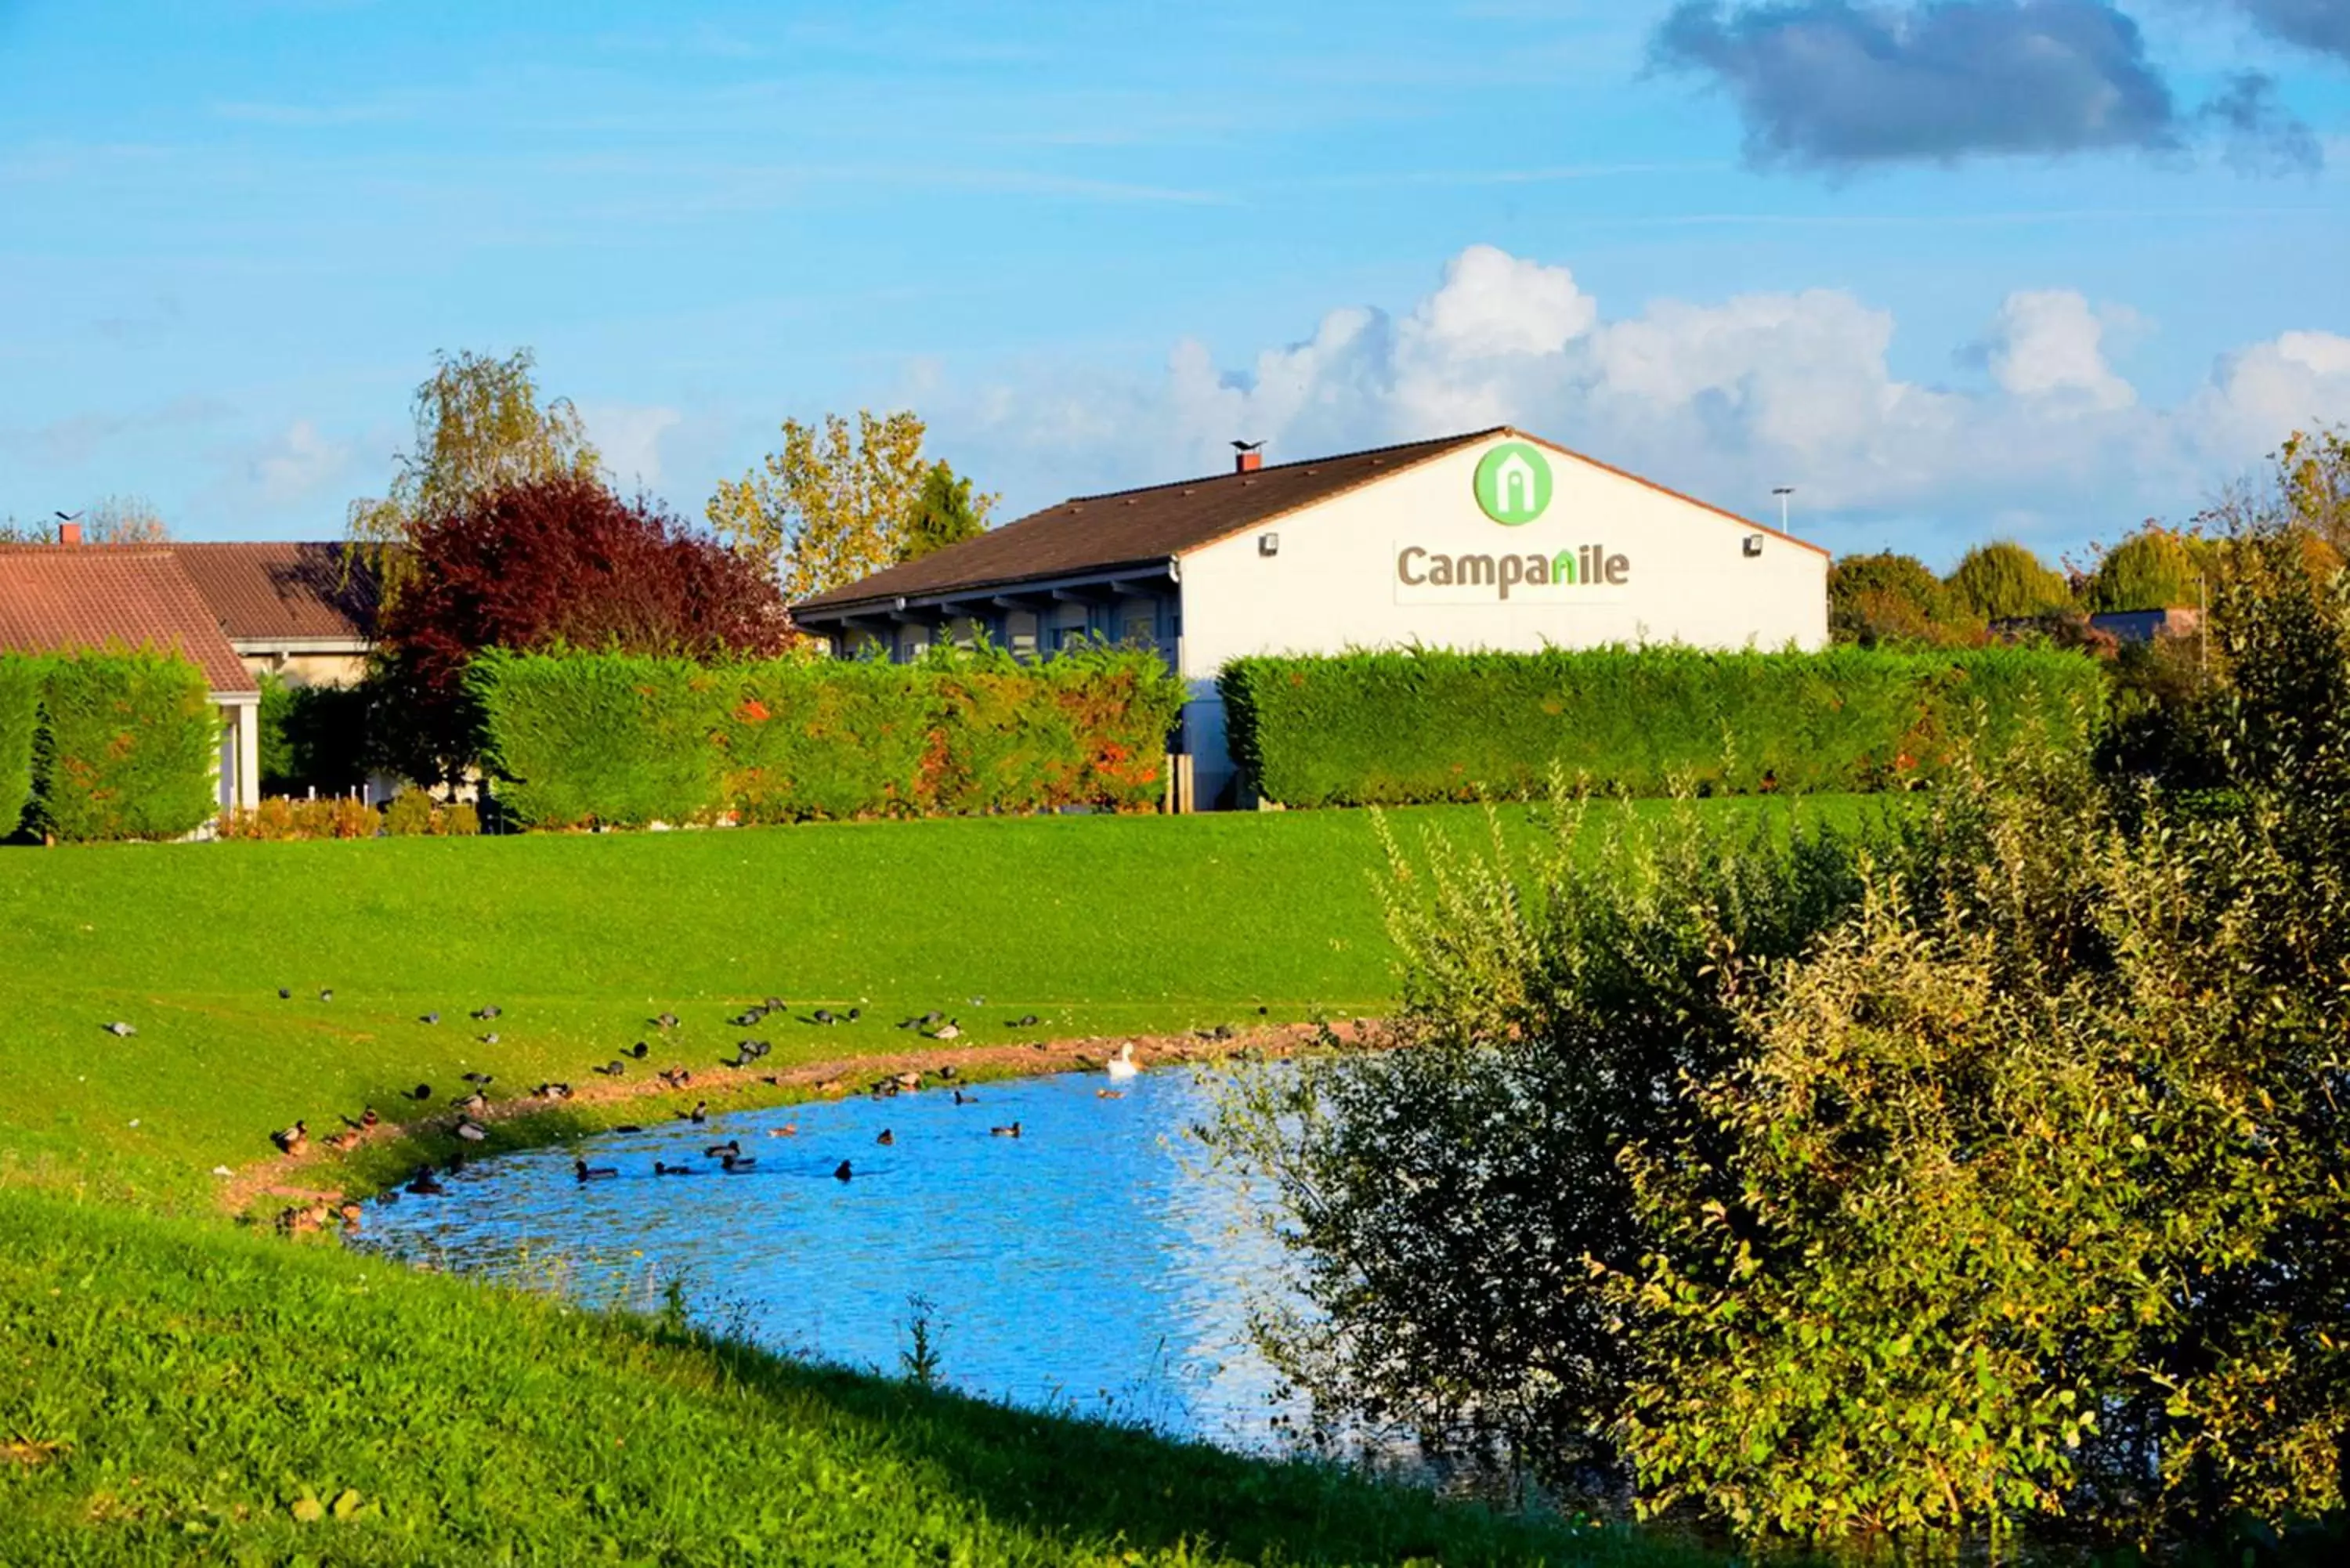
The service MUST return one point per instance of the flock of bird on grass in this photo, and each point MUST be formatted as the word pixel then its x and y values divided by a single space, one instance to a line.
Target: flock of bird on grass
pixel 295 1141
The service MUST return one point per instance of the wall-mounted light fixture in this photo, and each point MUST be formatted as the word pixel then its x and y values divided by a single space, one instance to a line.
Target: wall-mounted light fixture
pixel 1754 543
pixel 1268 543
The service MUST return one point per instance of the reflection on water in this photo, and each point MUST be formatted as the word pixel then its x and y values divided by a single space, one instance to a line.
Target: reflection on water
pixel 1078 1266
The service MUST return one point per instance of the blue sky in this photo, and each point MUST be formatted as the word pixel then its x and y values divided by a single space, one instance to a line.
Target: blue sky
pixel 1859 248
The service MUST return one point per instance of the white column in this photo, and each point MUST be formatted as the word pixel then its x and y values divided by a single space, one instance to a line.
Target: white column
pixel 248 755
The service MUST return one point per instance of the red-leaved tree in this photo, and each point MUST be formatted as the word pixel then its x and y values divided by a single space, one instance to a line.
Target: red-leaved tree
pixel 557 562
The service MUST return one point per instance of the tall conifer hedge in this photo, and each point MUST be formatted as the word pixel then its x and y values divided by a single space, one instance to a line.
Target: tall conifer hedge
pixel 20 712
pixel 128 747
pixel 1395 728
pixel 622 740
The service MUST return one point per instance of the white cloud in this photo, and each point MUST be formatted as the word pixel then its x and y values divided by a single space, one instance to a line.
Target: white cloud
pixel 2049 344
pixel 296 465
pixel 1723 399
pixel 629 437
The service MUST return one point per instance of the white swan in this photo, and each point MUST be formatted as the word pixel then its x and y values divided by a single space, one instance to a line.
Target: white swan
pixel 1122 1066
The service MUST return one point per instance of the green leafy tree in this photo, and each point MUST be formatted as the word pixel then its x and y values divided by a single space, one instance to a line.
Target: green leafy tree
pixel 945 512
pixel 2154 568
pixel 1889 598
pixel 2004 581
pixel 480 429
pixel 1987 1166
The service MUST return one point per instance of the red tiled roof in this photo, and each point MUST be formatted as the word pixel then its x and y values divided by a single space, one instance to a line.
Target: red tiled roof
pixel 285 591
pixel 58 597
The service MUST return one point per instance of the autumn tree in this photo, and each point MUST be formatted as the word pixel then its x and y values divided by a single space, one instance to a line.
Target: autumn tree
pixel 480 429
pixel 2154 568
pixel 558 561
pixel 1873 600
pixel 839 502
pixel 110 520
pixel 123 520
pixel 2005 581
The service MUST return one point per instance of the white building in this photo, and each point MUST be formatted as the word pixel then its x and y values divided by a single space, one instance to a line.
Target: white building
pixel 1491 540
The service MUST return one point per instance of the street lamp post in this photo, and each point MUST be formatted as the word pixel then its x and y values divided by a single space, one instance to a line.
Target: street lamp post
pixel 1782 491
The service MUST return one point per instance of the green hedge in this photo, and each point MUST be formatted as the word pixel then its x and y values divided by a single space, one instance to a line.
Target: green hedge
pixel 128 747
pixel 20 712
pixel 622 740
pixel 1433 725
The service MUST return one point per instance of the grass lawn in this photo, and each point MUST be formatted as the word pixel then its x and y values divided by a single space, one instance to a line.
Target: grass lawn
pixel 1095 925
pixel 174 1389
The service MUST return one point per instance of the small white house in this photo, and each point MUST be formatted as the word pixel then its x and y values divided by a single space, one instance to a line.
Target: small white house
pixel 1496 539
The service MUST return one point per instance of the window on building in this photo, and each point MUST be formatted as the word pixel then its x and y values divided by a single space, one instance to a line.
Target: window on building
pixel 1019 632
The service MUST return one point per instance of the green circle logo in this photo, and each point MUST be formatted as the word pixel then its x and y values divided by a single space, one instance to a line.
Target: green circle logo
pixel 1513 483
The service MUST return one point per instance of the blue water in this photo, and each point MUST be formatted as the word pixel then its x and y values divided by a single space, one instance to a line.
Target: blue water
pixel 1081 1267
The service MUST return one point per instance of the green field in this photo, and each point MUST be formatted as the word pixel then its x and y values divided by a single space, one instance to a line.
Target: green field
pixel 176 1387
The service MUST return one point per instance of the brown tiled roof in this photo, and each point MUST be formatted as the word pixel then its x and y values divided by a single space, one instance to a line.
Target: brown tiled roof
pixel 287 591
pixel 56 597
pixel 1143 528
pixel 1135 528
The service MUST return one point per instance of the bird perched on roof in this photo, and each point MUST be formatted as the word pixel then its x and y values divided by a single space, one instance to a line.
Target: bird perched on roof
pixel 294 1140
pixel 582 1172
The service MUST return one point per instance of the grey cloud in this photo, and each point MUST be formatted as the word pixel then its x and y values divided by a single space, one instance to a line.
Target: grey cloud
pixel 2263 138
pixel 1833 84
pixel 2319 25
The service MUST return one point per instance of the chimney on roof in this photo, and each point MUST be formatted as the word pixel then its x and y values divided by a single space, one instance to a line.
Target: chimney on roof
pixel 1250 456
pixel 68 533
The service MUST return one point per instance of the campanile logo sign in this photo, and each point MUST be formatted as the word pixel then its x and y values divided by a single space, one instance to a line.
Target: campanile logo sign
pixel 1513 483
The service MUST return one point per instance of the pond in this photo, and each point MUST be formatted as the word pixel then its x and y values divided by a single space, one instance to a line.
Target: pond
pixel 1081 1267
